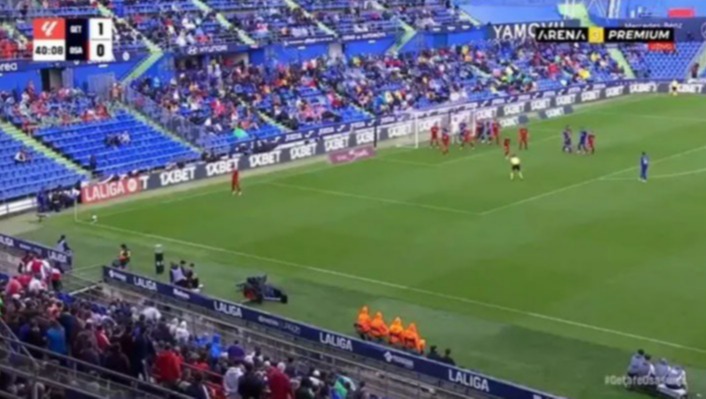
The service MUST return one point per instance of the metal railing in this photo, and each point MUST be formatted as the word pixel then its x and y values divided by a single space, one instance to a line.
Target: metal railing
pixel 175 124
pixel 22 360
pixel 382 379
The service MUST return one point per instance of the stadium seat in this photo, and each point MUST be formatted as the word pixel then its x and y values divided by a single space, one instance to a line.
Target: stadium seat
pixel 661 65
pixel 26 179
pixel 148 149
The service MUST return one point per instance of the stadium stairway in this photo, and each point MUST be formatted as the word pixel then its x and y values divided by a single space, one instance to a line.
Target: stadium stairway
pixel 294 5
pixel 580 12
pixel 150 122
pixel 28 142
pixel 244 37
pixel 409 31
pixel 701 59
pixel 155 52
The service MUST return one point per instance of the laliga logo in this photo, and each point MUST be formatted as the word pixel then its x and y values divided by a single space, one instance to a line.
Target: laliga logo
pixel 7 241
pixel 703 30
pixel 48 27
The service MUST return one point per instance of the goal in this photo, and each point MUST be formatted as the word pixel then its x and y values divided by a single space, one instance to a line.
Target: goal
pixel 414 129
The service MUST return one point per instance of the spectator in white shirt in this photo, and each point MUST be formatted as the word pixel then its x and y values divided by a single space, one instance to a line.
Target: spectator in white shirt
pixel 151 313
pixel 230 381
pixel 21 156
pixel 182 334
pixel 36 285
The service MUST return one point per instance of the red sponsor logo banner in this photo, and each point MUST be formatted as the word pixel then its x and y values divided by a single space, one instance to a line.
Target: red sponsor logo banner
pixel 661 46
pixel 352 154
pixel 99 192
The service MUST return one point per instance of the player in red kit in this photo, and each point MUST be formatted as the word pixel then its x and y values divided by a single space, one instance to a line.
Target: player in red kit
pixel 524 138
pixel 434 135
pixel 496 131
pixel 445 141
pixel 591 143
pixel 235 182
pixel 506 147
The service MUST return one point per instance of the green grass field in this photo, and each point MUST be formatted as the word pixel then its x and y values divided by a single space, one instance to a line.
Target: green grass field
pixel 551 282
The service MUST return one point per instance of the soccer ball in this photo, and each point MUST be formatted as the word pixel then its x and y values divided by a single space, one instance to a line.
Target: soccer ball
pixel 94 218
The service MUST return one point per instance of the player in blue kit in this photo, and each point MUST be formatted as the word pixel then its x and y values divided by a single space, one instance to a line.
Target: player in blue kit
pixel 644 165
pixel 567 140
pixel 582 149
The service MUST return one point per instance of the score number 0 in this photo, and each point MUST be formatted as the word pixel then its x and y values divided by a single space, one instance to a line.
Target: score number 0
pixel 101 39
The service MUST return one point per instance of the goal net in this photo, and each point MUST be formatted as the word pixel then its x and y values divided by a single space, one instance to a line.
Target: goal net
pixel 413 129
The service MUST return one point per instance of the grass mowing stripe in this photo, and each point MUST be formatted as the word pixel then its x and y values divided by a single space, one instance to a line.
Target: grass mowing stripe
pixel 374 199
pixel 319 270
pixel 583 183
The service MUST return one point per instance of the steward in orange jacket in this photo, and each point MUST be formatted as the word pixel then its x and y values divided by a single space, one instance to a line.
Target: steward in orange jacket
pixel 422 346
pixel 396 331
pixel 362 324
pixel 410 337
pixel 378 328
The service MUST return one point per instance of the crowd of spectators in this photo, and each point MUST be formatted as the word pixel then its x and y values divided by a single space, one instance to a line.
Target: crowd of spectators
pixel 424 14
pixel 276 23
pixel 206 97
pixel 12 47
pixel 322 91
pixel 32 108
pixel 178 29
pixel 137 341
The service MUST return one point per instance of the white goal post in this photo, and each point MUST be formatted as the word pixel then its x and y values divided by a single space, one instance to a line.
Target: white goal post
pixel 413 129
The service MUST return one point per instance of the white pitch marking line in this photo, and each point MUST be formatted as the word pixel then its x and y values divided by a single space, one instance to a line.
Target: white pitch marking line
pixel 583 183
pixel 664 176
pixel 488 305
pixel 374 199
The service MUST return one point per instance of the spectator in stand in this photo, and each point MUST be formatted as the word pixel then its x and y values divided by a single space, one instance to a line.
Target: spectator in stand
pixel 22 156
pixel 236 353
pixel 231 380
pixel 197 389
pixel 250 385
pixel 116 360
pixel 305 390
pixel 280 386
pixel 168 366
pixel 56 338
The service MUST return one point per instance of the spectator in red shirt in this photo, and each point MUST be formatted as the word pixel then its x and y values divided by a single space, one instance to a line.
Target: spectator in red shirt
pixel 167 366
pixel 279 384
pixel 13 287
pixel 102 339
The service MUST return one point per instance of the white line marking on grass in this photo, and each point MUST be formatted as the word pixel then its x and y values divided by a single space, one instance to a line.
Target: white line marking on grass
pixel 663 176
pixel 400 287
pixel 375 199
pixel 583 183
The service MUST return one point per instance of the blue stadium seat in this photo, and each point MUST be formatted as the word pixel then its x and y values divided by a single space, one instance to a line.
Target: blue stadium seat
pixel 661 65
pixel 41 172
pixel 148 149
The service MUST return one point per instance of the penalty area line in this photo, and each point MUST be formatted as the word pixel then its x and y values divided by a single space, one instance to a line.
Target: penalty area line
pixel 488 305
pixel 585 182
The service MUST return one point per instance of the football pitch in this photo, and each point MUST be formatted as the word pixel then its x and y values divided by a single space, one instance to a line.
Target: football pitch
pixel 551 282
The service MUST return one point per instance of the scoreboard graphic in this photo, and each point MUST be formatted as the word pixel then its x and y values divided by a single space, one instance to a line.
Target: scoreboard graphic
pixel 73 39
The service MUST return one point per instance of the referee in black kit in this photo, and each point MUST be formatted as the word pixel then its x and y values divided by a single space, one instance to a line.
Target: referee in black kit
pixel 515 167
